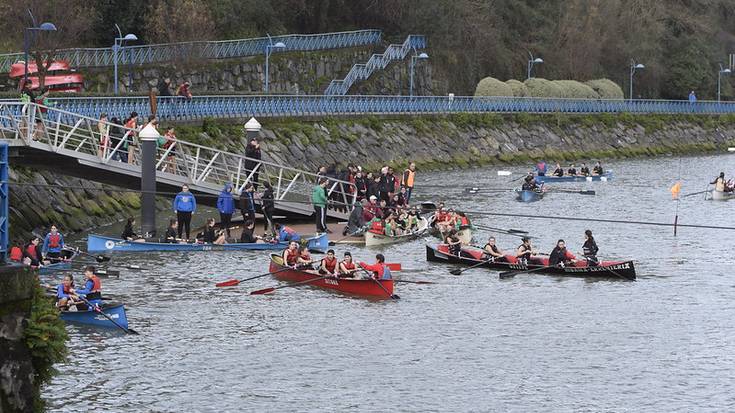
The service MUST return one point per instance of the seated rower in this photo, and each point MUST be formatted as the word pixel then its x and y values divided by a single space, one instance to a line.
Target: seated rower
pixel 529 184
pixel 16 252
pixel 412 220
pixel 390 227
pixel 286 233
pixel 525 251
pixel 491 251
pixel 291 254
pixel 347 267
pixel 304 258
pixel 541 168
pixel 65 296
pixel 92 290
pixel 172 232
pixel 31 253
pixel 558 171
pixel 584 170
pixel 328 264
pixel 453 243
pixel 560 256
pixel 379 270
pixel 589 249
pixel 52 245
pixel 212 236
pixel 462 220
pixel 572 171
pixel 597 170
pixel 129 234
pixel 248 234
pixel 719 183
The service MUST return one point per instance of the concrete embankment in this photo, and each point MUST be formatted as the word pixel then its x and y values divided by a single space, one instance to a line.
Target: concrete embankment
pixel 458 141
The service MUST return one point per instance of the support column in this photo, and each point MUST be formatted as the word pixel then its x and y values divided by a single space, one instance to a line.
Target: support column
pixel 148 138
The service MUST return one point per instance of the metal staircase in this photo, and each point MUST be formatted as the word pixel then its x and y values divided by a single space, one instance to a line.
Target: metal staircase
pixel 69 143
pixel 362 71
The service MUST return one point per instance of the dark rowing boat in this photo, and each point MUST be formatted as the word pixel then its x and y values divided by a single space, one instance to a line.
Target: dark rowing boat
pixel 606 269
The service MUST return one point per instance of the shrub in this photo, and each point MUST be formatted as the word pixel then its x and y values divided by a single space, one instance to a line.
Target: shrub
pixel 490 86
pixel 571 89
pixel 519 89
pixel 542 88
pixel 606 88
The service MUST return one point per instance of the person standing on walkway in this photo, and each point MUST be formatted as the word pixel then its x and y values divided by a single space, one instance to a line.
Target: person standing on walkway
pixel 184 206
pixel 131 142
pixel 319 199
pixel 268 206
pixel 407 182
pixel 247 202
pixel 692 97
pixel 252 152
pixel 226 207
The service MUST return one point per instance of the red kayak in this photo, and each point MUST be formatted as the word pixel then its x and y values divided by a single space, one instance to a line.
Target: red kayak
pixel 18 69
pixel 358 287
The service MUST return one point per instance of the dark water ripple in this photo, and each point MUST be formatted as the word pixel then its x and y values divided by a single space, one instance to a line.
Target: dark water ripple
pixel 470 343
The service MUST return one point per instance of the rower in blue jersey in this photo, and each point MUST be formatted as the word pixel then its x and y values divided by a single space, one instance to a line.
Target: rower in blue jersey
pixel 53 244
pixel 286 234
pixel 92 290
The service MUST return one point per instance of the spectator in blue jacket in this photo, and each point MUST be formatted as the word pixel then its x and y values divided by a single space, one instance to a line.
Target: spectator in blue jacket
pixel 184 206
pixel 226 207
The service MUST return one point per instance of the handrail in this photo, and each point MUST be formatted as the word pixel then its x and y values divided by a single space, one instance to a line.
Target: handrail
pixel 245 106
pixel 222 49
pixel 362 71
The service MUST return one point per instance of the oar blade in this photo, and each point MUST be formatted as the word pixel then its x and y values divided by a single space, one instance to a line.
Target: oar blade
pixel 507 274
pixel 228 283
pixel 102 258
pixel 133 332
pixel 394 266
pixel 263 291
pixel 587 192
pixel 456 271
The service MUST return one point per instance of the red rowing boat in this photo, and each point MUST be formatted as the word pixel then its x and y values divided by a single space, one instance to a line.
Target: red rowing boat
pixel 359 287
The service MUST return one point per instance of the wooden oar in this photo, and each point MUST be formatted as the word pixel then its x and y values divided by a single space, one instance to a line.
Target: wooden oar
pixel 107 273
pixel 572 191
pixel 270 290
pixel 398 280
pixel 509 274
pixel 695 193
pixel 233 282
pixel 333 243
pixel 459 272
pixel 98 258
pixel 511 230
pixel 99 310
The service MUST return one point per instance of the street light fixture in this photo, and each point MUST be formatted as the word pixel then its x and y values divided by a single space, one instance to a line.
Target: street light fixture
pixel 719 79
pixel 118 45
pixel 44 27
pixel 415 57
pixel 532 61
pixel 268 50
pixel 633 67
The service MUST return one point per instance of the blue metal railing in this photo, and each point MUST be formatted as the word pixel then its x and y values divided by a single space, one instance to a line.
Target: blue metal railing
pixel 157 53
pixel 362 71
pixel 4 198
pixel 244 106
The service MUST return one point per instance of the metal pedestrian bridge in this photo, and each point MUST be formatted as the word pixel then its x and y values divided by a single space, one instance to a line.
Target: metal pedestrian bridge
pixel 362 71
pixel 71 144
pixel 246 106
pixel 225 49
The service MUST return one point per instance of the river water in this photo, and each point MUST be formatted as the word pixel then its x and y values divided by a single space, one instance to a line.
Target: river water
pixel 467 343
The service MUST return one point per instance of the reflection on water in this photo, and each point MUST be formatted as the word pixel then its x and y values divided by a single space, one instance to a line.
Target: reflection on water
pixel 468 343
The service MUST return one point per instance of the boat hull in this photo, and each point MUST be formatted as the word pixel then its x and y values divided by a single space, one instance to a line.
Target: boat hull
pixel 579 178
pixel 92 318
pixel 613 269
pixel 373 239
pixel 100 243
pixel 358 287
pixel 464 235
pixel 524 195
pixel 61 265
pixel 721 195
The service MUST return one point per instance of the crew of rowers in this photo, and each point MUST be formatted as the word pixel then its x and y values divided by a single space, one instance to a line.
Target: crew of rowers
pixel 448 220
pixel 526 254
pixel 37 253
pixel 69 298
pixel 392 219
pixel 722 185
pixel 298 257
pixel 597 170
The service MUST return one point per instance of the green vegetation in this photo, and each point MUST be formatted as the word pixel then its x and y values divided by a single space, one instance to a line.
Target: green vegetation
pixel 490 86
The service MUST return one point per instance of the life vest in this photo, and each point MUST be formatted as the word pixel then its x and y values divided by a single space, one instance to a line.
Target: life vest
pixel 32 251
pixel 96 284
pixel 349 266
pixel 376 226
pixel 67 289
pixel 464 221
pixel 16 254
pixel 291 256
pixel 526 251
pixel 331 266
pixel 409 177
pixel 306 257
pixel 54 240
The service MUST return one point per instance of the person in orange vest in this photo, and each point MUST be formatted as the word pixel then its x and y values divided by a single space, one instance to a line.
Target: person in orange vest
pixel 379 270
pixel 409 175
pixel 328 264
pixel 16 252
pixel 92 290
pixel 65 295
pixel 347 267
pixel 291 254
pixel 53 244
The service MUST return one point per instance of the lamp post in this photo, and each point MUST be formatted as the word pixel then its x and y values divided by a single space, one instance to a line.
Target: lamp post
pixel 268 50
pixel 44 27
pixel 118 45
pixel 722 71
pixel 532 61
pixel 415 57
pixel 633 67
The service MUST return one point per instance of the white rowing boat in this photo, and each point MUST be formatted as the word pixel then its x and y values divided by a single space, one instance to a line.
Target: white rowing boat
pixel 721 195
pixel 372 239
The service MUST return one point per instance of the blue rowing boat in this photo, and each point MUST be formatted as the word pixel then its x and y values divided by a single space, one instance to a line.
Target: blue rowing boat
pixel 68 255
pixel 574 178
pixel 525 195
pixel 101 243
pixel 93 318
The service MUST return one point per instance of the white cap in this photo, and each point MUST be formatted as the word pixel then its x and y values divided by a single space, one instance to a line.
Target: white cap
pixel 373 197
